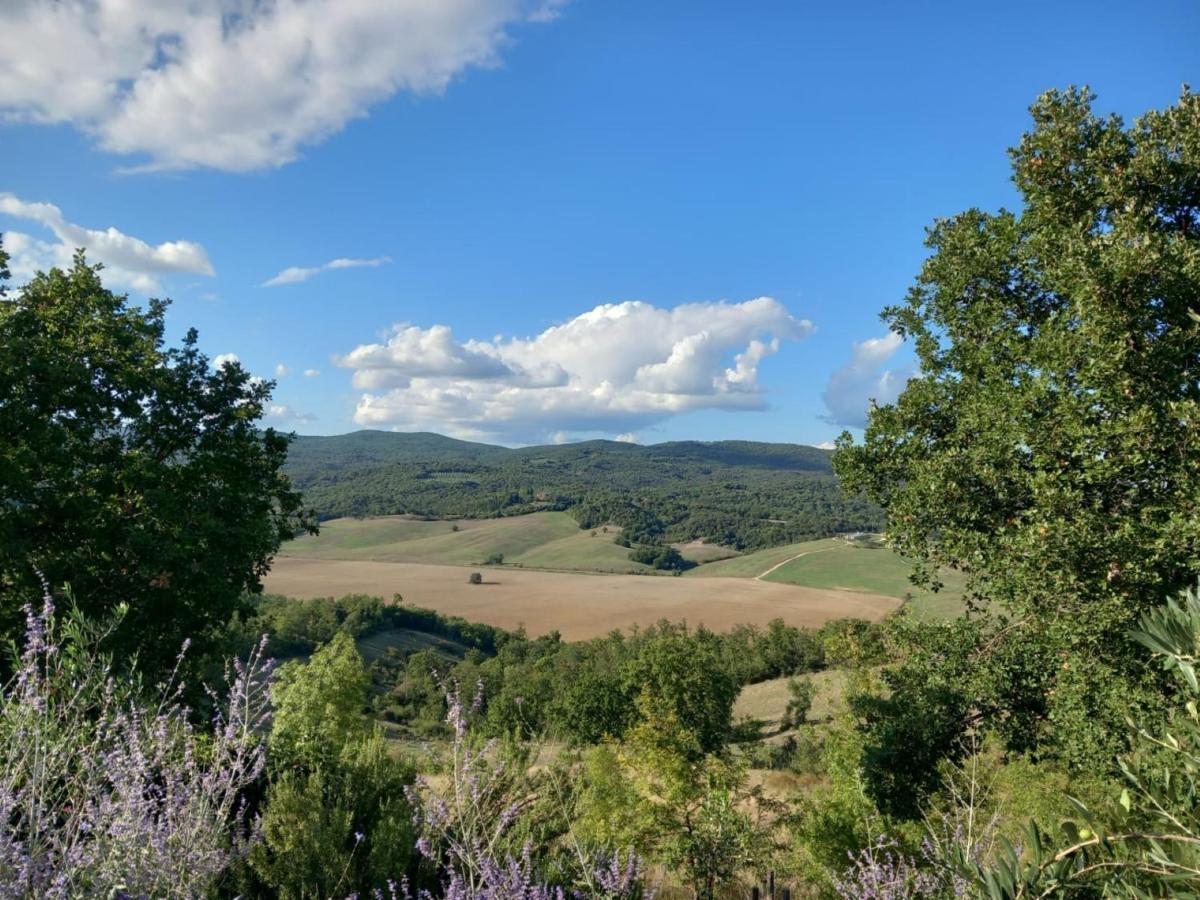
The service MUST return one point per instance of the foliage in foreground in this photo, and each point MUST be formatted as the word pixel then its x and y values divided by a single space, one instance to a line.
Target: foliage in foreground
pixel 478 830
pixel 133 470
pixel 1147 843
pixel 336 819
pixel 102 793
pixel 1048 447
pixel 692 811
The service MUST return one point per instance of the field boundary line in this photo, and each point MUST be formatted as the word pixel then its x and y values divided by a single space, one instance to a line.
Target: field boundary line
pixel 780 565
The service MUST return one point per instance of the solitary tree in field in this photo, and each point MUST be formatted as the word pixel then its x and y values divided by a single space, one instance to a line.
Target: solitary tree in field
pixel 1051 445
pixel 132 471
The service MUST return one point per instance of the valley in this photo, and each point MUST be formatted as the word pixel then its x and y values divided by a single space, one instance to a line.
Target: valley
pixel 578 606
pixel 545 573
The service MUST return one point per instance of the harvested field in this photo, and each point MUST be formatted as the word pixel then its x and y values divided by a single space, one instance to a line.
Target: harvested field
pixel 579 606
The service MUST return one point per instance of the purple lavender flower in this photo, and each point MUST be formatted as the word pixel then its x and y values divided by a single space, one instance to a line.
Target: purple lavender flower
pixel 467 828
pixel 881 871
pixel 102 796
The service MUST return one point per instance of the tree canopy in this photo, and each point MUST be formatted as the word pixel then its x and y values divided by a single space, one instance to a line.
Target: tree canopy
pixel 1049 445
pixel 132 471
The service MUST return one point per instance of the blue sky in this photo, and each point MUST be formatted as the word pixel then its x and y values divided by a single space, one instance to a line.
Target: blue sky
pixel 661 220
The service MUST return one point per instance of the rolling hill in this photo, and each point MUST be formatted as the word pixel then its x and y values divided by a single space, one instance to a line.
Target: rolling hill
pixel 836 564
pixel 740 494
pixel 545 540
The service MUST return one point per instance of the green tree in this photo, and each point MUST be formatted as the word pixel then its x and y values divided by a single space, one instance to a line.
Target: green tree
pixel 685 672
pixel 693 812
pixel 131 470
pixel 337 819
pixel 319 706
pixel 800 700
pixel 594 706
pixel 1049 446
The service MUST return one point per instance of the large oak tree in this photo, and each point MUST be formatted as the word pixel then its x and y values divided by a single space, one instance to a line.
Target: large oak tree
pixel 131 471
pixel 1051 444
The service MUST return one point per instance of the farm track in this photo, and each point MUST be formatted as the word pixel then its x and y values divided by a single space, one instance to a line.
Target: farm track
pixel 780 565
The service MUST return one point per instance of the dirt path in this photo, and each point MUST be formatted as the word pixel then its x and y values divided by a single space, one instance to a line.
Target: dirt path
pixel 578 606
pixel 788 560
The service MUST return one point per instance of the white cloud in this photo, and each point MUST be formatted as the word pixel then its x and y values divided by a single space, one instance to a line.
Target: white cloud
pixel 864 378
pixel 311 373
pixel 236 84
pixel 128 261
pixel 282 414
pixel 297 274
pixel 223 359
pixel 628 438
pixel 548 11
pixel 282 371
pixel 616 368
pixel 826 445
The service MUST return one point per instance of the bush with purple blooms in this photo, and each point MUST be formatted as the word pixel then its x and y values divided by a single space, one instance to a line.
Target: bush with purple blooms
pixel 103 794
pixel 470 824
pixel 884 871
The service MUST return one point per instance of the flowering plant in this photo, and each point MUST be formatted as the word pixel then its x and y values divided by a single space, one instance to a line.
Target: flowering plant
pixel 469 827
pixel 103 793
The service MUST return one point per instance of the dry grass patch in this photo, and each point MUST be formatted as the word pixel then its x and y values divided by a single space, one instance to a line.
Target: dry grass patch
pixel 576 605
pixel 767 701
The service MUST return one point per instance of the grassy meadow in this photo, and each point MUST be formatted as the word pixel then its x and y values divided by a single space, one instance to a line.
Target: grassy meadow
pixel 545 540
pixel 553 541
pixel 767 701
pixel 837 564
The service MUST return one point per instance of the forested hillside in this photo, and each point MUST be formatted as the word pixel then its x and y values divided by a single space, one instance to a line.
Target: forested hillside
pixel 740 493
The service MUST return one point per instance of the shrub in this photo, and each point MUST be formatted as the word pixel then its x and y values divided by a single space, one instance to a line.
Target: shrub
pixel 1147 843
pixel 475 578
pixel 102 793
pixel 661 556
pixel 470 828
pixel 800 700
pixel 336 817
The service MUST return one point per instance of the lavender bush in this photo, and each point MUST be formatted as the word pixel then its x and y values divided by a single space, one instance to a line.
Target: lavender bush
pixel 468 829
pixel 104 795
pixel 883 871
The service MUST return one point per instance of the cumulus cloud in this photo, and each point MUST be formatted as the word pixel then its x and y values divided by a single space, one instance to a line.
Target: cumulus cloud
pixel 297 274
pixel 282 371
pixel 129 261
pixel 221 360
pixel 547 11
pixel 864 378
pixel 628 437
pixel 236 84
pixel 311 373
pixel 613 369
pixel 282 414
